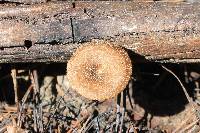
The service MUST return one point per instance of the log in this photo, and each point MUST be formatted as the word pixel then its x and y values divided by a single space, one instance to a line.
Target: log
pixel 50 32
pixel 23 1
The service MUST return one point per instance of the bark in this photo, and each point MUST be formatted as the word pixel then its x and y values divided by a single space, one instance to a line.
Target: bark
pixel 23 1
pixel 50 32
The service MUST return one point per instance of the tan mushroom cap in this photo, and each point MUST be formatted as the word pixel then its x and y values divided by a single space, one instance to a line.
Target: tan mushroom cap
pixel 99 71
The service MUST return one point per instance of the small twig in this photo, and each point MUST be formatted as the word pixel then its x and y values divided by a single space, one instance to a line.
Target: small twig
pixel 26 94
pixel 196 111
pixel 36 85
pixel 122 120
pixel 90 124
pixel 19 122
pixel 14 78
pixel 183 123
pixel 184 89
pixel 123 111
pixel 34 110
pixel 37 119
pixel 186 74
pixel 130 85
pixel 118 112
pixel 188 126
pixel 149 118
pixel 19 108
pixel 38 113
pixel 194 129
pixel 3 116
pixel 97 124
pixel 84 125
pixel 3 129
pixel 41 122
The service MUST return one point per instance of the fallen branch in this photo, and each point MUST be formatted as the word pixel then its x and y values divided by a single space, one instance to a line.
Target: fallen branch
pixel 50 32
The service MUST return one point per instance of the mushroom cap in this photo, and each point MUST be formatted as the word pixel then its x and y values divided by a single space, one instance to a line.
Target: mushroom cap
pixel 99 71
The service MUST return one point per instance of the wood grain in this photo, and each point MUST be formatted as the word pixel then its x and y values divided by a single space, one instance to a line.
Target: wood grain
pixel 50 32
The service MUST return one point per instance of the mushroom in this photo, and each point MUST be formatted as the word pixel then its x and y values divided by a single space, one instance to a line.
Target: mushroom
pixel 99 70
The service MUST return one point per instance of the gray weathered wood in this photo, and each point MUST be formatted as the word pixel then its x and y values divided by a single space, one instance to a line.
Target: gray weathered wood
pixel 165 32
pixel 24 1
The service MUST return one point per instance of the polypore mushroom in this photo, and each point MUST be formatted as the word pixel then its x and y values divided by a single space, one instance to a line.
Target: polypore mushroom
pixel 99 70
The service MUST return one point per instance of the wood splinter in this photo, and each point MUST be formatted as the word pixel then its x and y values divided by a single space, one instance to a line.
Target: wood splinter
pixel 99 70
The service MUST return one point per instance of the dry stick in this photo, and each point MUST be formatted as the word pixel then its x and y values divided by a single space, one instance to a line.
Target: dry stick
pixel 36 84
pixel 87 125
pixel 186 74
pixel 3 116
pixel 19 108
pixel 19 120
pixel 184 89
pixel 130 85
pixel 33 80
pixel 97 125
pixel 14 78
pixel 123 111
pixel 3 129
pixel 90 124
pixel 185 92
pixel 193 129
pixel 38 108
pixel 34 114
pixel 188 126
pixel 41 118
pixel 22 105
pixel 84 125
pixel 122 120
pixel 118 112
pixel 26 94
pixel 183 123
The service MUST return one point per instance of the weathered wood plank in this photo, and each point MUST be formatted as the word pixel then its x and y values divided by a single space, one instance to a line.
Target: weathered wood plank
pixel 156 31
pixel 25 1
pixel 37 53
pixel 39 23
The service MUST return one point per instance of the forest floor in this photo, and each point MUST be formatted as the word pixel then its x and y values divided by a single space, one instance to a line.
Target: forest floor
pixel 154 101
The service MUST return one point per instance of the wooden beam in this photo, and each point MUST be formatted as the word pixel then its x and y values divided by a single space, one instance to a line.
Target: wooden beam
pixel 50 32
